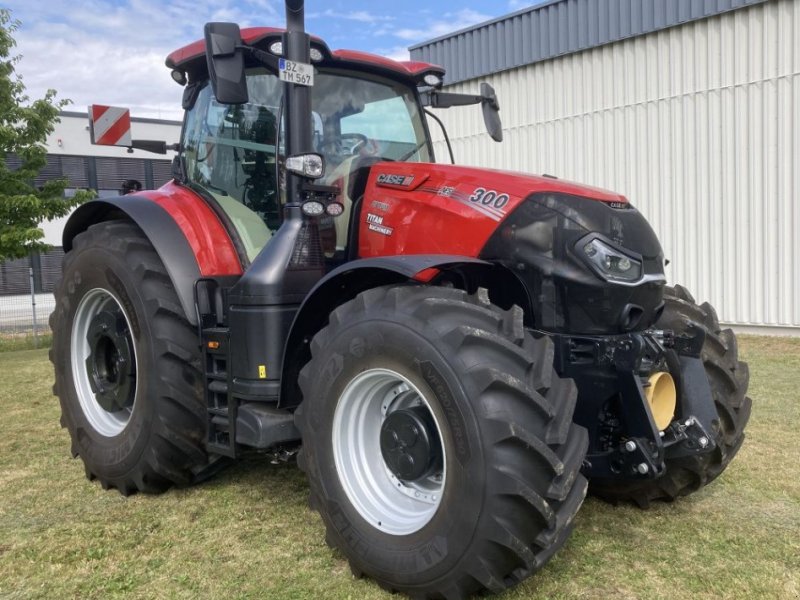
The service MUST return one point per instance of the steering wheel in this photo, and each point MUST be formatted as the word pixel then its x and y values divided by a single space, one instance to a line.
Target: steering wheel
pixel 352 143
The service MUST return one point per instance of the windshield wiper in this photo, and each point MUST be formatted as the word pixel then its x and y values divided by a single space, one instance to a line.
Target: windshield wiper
pixel 411 153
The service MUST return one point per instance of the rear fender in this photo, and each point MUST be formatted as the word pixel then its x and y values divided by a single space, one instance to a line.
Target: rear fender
pixel 183 248
pixel 344 284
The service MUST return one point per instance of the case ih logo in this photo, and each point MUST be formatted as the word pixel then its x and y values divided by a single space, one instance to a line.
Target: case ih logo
pixel 396 180
pixel 109 125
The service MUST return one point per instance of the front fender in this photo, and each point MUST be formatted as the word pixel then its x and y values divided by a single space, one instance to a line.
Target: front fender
pixel 186 234
pixel 343 284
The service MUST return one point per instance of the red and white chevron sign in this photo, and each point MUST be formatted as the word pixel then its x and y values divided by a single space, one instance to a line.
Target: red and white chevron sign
pixel 109 125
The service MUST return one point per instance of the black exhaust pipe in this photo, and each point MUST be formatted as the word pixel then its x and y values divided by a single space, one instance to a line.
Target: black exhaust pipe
pixel 297 48
pixel 295 17
pixel 264 301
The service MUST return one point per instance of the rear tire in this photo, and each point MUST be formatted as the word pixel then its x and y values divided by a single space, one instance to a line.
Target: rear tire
pixel 728 377
pixel 503 497
pixel 130 399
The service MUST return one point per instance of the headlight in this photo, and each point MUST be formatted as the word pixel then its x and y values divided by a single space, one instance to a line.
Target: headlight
pixel 307 165
pixel 610 263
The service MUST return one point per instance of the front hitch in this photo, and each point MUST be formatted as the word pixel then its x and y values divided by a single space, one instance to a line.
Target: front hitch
pixel 612 375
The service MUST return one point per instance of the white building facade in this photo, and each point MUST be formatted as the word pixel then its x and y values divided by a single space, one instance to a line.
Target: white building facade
pixel 691 108
pixel 103 168
pixel 71 156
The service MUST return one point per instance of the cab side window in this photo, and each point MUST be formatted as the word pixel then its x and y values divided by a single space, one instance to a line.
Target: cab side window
pixel 230 154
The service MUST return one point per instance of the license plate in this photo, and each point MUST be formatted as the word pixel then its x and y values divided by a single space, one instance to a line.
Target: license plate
pixel 295 72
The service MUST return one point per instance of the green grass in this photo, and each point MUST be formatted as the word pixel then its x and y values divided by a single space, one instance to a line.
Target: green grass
pixel 27 341
pixel 249 534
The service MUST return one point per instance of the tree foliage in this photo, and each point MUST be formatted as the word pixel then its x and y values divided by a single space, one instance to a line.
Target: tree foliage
pixel 24 127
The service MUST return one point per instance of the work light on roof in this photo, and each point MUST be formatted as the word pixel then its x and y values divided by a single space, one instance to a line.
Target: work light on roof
pixel 178 77
pixel 433 80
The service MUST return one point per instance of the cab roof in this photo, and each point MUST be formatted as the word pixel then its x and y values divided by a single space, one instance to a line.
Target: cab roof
pixel 192 60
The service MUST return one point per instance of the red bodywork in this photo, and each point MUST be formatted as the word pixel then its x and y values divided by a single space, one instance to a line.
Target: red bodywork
pixel 408 208
pixel 431 209
pixel 421 208
pixel 193 57
pixel 207 236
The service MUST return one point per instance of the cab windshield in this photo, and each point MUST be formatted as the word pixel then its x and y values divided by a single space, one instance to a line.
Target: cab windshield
pixel 366 117
pixel 235 153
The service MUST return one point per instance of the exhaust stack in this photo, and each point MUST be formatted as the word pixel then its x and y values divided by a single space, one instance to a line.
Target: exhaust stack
pixel 298 135
pixel 295 15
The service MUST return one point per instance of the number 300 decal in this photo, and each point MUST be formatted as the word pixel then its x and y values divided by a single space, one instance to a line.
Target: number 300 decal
pixel 489 198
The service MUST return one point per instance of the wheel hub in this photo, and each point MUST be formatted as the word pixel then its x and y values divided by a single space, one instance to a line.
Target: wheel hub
pixel 110 365
pixel 103 362
pixel 410 444
pixel 389 456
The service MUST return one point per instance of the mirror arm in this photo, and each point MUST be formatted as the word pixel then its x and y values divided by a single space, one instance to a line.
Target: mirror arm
pixel 492 102
pixel 436 99
pixel 154 146
pixel 265 58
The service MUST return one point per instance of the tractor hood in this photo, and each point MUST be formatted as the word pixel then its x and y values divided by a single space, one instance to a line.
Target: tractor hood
pixel 590 261
pixel 422 208
pixel 512 183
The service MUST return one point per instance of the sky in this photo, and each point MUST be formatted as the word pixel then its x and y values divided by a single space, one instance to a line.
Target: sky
pixel 112 51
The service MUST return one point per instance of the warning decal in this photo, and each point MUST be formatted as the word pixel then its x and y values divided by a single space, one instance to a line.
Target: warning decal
pixel 110 125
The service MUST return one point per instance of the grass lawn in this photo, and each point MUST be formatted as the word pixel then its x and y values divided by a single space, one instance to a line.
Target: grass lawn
pixel 25 341
pixel 249 534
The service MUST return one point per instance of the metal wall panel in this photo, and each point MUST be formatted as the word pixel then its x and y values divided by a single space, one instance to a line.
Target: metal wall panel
pixel 556 28
pixel 15 277
pixel 162 172
pixel 111 172
pixel 50 263
pixel 699 125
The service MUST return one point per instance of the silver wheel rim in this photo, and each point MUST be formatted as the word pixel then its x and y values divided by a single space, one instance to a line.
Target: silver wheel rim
pixel 104 422
pixel 387 503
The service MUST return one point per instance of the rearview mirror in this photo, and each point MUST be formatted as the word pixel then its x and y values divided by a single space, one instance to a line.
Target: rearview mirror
pixel 487 99
pixel 491 112
pixel 226 63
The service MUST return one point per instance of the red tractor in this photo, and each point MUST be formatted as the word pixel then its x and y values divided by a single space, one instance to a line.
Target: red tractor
pixel 456 353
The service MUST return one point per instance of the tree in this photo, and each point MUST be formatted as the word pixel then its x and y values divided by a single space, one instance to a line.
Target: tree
pixel 24 127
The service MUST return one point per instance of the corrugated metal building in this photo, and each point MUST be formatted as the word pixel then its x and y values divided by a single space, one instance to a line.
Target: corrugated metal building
pixel 691 108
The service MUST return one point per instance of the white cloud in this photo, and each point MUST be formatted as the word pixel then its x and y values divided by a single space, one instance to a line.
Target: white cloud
pixel 436 28
pixel 520 4
pixel 395 53
pixel 113 52
pixel 362 16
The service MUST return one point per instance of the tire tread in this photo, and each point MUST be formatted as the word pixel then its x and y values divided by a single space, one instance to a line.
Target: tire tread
pixel 176 447
pixel 516 374
pixel 728 378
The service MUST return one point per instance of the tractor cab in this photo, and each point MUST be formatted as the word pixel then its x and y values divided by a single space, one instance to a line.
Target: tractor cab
pixel 364 109
pixel 235 154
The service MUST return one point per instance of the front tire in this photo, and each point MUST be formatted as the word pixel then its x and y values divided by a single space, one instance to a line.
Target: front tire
pixel 728 378
pixel 127 364
pixel 501 484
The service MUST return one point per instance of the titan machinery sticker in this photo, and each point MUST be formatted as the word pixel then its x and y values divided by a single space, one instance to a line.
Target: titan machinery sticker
pixel 375 223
